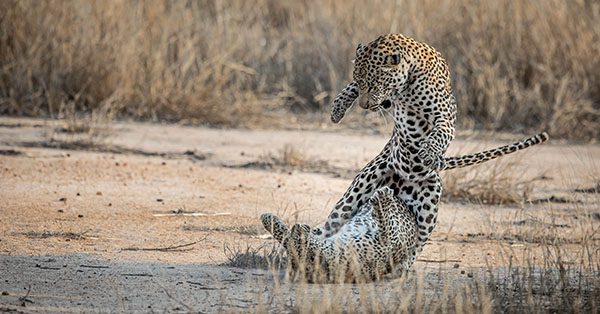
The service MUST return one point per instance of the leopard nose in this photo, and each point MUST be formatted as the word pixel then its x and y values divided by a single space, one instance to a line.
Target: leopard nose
pixel 386 104
pixel 363 101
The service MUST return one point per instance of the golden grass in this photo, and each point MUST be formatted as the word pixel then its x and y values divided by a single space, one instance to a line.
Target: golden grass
pixel 498 183
pixel 516 65
pixel 547 278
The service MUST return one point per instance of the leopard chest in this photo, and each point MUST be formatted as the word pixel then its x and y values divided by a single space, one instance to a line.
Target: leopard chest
pixel 412 125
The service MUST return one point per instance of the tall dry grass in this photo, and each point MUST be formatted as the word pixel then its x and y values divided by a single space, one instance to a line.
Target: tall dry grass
pixel 516 65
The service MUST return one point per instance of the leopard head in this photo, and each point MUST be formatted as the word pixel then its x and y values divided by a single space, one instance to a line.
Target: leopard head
pixel 380 68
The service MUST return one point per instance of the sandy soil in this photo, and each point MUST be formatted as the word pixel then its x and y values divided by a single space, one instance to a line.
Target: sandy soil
pixel 81 224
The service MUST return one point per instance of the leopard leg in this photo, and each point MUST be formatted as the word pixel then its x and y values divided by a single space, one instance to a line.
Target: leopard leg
pixel 382 201
pixel 375 174
pixel 275 226
pixel 422 198
pixel 343 101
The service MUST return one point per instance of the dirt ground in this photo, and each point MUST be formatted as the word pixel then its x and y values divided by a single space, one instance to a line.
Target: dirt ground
pixel 144 219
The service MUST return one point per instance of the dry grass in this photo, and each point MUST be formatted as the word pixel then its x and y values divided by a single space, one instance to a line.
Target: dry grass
pixel 516 65
pixel 553 281
pixel 497 183
pixel 290 156
pixel 542 275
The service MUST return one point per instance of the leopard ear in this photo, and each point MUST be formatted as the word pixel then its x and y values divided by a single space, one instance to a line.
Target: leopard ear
pixel 394 59
pixel 359 49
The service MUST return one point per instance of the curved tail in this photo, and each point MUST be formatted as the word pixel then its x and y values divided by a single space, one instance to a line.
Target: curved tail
pixel 481 157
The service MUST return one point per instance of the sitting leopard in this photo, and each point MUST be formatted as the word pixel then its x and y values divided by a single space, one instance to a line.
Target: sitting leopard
pixel 372 244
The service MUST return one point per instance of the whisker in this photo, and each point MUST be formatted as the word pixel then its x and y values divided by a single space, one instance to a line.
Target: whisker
pixel 382 114
pixel 391 115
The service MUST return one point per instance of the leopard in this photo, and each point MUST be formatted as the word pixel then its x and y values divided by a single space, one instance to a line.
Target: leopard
pixel 301 239
pixel 371 245
pixel 410 81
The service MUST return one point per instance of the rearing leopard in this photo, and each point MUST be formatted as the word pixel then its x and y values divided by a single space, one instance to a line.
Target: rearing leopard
pixel 413 78
pixel 410 80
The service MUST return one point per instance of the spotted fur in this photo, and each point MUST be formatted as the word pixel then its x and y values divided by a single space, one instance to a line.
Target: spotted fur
pixel 375 242
pixel 410 81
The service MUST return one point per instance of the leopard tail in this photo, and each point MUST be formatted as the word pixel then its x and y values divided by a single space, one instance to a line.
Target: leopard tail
pixel 481 157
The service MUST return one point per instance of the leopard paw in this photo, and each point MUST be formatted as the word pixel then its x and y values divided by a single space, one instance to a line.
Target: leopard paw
pixel 430 158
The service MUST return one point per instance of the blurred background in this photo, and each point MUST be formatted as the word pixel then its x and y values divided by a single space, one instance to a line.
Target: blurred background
pixel 517 66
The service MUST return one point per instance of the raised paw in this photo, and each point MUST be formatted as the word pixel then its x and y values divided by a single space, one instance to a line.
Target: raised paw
pixel 382 194
pixel 430 158
pixel 440 164
pixel 381 199
pixel 275 226
pixel 343 101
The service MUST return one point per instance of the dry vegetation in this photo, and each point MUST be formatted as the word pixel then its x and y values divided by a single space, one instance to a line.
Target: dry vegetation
pixel 544 277
pixel 516 65
pixel 499 183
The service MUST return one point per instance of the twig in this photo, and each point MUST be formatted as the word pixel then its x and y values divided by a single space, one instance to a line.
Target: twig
pixel 203 286
pixel 439 261
pixel 93 266
pixel 172 248
pixel 138 275
pixel 46 267
pixel 192 214
pixel 25 299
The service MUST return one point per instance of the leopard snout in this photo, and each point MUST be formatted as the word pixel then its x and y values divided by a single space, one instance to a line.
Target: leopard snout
pixel 363 100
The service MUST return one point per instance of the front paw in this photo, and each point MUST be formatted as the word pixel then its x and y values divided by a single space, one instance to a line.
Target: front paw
pixel 430 158
pixel 440 163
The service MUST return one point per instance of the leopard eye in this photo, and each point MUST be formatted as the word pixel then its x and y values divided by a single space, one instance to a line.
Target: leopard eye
pixel 394 59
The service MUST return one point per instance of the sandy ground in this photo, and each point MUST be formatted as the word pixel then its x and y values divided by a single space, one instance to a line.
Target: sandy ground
pixel 144 219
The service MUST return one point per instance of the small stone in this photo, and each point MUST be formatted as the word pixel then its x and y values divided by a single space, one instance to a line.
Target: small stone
pixel 61 210
pixel 462 272
pixel 470 275
pixel 456 265
pixel 163 163
pixel 5 293
pixel 159 200
pixel 80 216
pixel 62 199
pixel 99 193
pixel 78 194
pixel 109 204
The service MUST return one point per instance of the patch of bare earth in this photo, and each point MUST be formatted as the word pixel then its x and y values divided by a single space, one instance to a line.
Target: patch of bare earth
pixel 165 218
